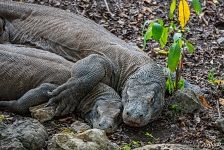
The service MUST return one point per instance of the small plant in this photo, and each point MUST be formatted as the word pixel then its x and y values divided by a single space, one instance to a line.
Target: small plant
pixel 133 143
pixel 175 48
pixel 211 76
pixel 127 147
pixel 150 137
pixel 175 108
pixel 136 143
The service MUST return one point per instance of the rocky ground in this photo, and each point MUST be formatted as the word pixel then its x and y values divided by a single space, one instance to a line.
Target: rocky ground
pixel 125 20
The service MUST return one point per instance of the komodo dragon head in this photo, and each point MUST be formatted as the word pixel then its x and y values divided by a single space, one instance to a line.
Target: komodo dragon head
pixel 143 95
pixel 105 115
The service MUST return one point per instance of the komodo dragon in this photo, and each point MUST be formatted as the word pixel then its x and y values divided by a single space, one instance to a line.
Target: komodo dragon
pixel 99 56
pixel 27 74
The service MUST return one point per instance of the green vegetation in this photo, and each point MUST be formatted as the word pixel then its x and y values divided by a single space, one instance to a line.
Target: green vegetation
pixel 172 40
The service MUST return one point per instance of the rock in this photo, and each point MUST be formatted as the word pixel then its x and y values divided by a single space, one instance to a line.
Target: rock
pixel 165 147
pixel 98 136
pixel 88 140
pixel 42 113
pixel 79 126
pixel 26 133
pixel 187 99
pixel 220 123
pixel 221 41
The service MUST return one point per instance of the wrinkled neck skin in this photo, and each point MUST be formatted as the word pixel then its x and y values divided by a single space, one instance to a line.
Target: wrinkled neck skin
pixel 143 95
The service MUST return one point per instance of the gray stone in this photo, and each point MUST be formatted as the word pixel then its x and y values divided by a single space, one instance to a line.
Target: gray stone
pixel 165 147
pixel 187 100
pixel 221 41
pixel 79 127
pixel 220 123
pixel 92 139
pixel 26 133
pixel 42 113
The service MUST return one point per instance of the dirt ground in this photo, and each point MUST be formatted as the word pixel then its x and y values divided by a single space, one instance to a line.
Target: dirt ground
pixel 126 21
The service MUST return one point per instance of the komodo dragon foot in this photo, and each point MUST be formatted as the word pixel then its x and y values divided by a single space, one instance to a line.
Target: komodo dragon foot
pixel 31 98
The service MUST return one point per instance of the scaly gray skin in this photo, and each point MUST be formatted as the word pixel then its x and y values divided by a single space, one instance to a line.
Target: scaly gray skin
pixel 102 58
pixel 107 108
pixel 28 74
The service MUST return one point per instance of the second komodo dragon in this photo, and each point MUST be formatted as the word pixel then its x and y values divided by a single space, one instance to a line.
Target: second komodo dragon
pixel 28 74
pixel 99 56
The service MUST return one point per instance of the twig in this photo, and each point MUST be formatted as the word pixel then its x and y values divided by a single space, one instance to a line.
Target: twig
pixel 108 9
pixel 217 106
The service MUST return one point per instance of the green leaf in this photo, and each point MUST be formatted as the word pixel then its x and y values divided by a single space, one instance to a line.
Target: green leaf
pixel 160 21
pixel 169 84
pixel 127 147
pixel 148 34
pixel 177 36
pixel 181 84
pixel 197 6
pixel 190 47
pixel 164 37
pixel 172 8
pixel 180 41
pixel 157 31
pixel 174 56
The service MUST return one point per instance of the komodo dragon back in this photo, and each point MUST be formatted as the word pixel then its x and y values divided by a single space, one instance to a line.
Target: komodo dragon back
pixel 138 79
pixel 24 68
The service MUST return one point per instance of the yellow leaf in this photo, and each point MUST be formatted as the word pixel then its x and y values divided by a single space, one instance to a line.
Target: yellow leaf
pixel 218 82
pixel 221 101
pixel 163 52
pixel 204 102
pixel 184 13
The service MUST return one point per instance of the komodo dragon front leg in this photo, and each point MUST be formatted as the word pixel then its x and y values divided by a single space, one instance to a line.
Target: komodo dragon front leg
pixel 86 74
pixel 31 98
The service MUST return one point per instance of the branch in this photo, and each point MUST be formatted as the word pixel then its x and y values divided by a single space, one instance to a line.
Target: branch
pixel 108 9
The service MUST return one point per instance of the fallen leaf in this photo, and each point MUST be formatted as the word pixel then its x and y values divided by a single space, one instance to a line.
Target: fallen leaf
pixel 221 101
pixel 219 82
pixel 148 1
pixel 204 102
pixel 163 52
pixel 215 1
pixel 2 117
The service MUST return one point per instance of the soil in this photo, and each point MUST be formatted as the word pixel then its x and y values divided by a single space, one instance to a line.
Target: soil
pixel 126 21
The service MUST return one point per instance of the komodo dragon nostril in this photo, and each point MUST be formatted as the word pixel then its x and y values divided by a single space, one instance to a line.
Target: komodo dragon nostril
pixel 128 113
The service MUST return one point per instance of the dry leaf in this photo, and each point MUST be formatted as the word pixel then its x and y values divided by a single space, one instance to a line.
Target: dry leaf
pixel 148 1
pixel 219 82
pixel 184 13
pixel 221 101
pixel 204 102
pixel 163 52
pixel 215 1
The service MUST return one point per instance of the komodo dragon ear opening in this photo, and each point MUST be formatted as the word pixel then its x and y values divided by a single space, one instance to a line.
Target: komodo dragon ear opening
pixel 2 25
pixel 4 36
